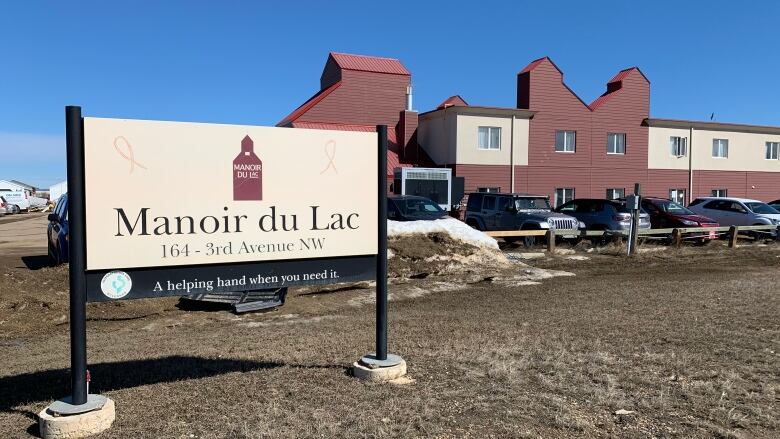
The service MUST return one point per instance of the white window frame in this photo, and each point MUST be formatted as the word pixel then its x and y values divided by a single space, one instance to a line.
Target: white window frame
pixel 719 147
pixel 772 147
pixel 613 144
pixel 612 191
pixel 564 191
pixel 678 146
pixel 566 135
pixel 489 146
pixel 489 190
pixel 678 195
pixel 717 193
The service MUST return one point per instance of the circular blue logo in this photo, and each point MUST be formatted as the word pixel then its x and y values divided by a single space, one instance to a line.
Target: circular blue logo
pixel 116 284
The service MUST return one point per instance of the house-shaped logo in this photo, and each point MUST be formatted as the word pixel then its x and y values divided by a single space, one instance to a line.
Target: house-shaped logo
pixel 247 173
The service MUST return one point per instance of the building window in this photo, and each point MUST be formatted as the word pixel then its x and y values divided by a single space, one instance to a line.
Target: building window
pixel 489 138
pixel 565 141
pixel 679 146
pixel 563 195
pixel 720 193
pixel 772 150
pixel 616 143
pixel 489 189
pixel 677 195
pixel 615 193
pixel 720 148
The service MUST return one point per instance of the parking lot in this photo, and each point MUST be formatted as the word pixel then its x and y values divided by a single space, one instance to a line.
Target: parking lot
pixel 671 343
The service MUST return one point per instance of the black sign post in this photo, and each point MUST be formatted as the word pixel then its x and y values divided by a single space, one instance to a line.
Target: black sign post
pixel 381 358
pixel 78 401
pixel 74 135
pixel 381 259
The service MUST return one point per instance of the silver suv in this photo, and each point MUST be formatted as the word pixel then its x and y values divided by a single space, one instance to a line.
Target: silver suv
pixel 497 211
pixel 736 211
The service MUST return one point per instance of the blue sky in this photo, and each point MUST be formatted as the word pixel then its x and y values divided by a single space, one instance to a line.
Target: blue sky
pixel 252 63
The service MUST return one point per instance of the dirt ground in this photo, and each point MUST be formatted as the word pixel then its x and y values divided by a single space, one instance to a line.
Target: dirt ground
pixel 686 341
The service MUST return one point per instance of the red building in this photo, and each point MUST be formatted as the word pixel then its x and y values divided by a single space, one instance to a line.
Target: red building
pixel 583 150
pixel 356 94
pixel 553 143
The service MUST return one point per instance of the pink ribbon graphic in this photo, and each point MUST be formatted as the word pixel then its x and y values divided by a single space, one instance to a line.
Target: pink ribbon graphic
pixel 130 157
pixel 330 152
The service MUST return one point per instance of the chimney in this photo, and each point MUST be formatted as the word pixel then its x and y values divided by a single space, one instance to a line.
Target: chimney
pixel 407 134
pixel 409 97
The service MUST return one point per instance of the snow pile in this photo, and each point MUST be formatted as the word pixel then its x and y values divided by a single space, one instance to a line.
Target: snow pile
pixel 456 229
pixel 440 247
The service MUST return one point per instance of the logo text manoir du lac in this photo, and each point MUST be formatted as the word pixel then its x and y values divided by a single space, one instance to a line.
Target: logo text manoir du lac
pixel 247 173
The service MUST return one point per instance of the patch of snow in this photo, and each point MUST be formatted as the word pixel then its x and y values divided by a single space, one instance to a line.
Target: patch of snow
pixel 455 228
pixel 526 255
pixel 287 319
pixel 651 249
pixel 578 258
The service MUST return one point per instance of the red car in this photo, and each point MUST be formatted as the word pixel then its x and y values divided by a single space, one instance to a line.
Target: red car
pixel 666 214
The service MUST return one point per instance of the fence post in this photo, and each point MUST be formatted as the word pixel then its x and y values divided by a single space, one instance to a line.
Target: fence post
pixel 733 232
pixel 550 241
pixel 633 232
pixel 677 237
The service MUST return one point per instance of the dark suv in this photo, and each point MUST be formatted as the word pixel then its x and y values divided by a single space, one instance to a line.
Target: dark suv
pixel 600 214
pixel 496 211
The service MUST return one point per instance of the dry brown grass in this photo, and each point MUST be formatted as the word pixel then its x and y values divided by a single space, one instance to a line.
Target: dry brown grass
pixel 687 339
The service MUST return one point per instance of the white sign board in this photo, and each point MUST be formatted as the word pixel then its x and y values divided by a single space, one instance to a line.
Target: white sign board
pixel 163 194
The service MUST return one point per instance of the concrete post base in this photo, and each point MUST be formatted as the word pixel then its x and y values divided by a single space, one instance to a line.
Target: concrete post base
pixel 379 370
pixel 75 426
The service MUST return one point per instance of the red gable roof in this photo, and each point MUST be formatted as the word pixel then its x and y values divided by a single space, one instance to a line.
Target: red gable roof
pixel 298 112
pixel 369 63
pixel 621 75
pixel 453 101
pixel 614 85
pixel 533 64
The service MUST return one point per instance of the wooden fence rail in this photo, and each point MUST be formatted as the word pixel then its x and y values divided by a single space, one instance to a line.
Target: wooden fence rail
pixel 676 234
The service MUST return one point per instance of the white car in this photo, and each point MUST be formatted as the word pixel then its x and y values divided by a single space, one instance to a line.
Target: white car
pixel 736 211
pixel 9 208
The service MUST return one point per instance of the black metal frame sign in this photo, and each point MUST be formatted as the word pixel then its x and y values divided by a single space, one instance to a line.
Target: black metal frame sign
pixel 105 282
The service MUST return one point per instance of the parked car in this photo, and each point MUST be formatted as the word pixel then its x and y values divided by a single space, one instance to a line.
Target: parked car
pixel 413 208
pixel 775 204
pixel 17 199
pixel 665 214
pixel 57 232
pixel 730 211
pixel 3 207
pixel 10 209
pixel 598 214
pixel 501 211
